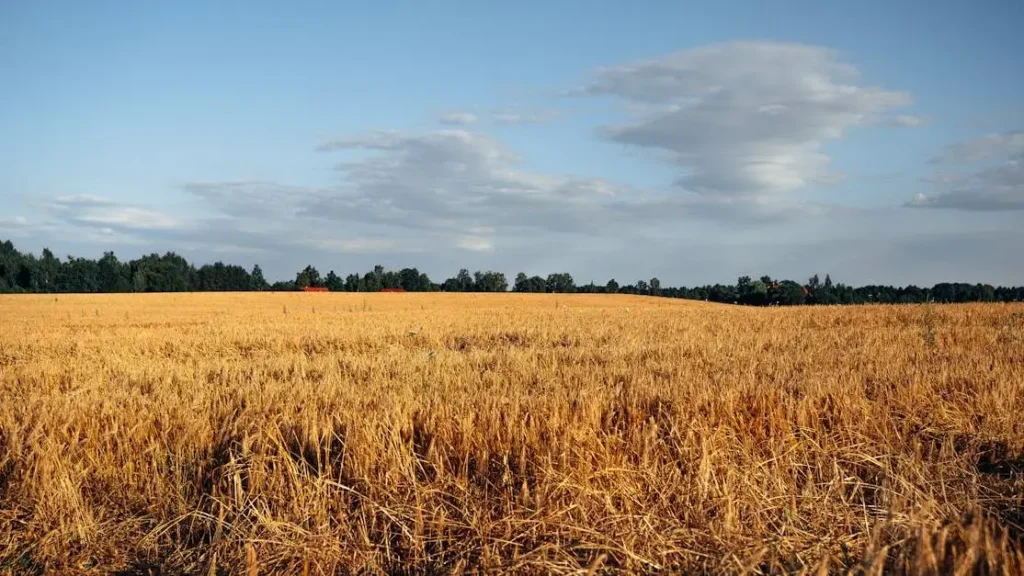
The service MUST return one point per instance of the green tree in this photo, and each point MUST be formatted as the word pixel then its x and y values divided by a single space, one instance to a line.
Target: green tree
pixel 560 282
pixel 462 282
pixel 372 281
pixel 309 276
pixel 985 293
pixel 490 282
pixel 790 293
pixel 743 285
pixel 826 293
pixel 333 282
pixel 427 285
pixel 751 292
pixel 390 280
pixel 411 280
pixel 256 280
pixel 757 295
pixel 25 278
pixel 113 276
pixel 78 275
pixel 47 269
pixel 353 283
pixel 222 277
pixel 167 273
pixel 520 284
pixel 526 283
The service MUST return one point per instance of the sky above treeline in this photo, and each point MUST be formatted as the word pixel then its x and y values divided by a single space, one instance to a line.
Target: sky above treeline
pixel 879 142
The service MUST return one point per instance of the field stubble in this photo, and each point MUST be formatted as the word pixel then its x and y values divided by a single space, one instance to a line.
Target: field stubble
pixel 394 433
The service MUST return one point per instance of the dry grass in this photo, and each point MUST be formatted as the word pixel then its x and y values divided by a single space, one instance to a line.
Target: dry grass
pixel 395 433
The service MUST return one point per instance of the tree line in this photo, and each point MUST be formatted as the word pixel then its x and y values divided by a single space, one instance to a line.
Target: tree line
pixel 170 272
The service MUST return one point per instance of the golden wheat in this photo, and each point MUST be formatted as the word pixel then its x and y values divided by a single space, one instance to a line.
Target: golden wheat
pixel 427 433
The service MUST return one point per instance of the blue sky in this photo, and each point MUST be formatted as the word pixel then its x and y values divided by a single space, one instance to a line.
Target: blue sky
pixel 878 142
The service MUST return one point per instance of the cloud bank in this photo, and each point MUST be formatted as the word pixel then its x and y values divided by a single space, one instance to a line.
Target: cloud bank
pixel 745 119
pixel 983 174
pixel 744 126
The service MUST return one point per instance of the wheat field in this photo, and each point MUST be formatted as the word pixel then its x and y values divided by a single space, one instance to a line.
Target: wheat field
pixel 443 433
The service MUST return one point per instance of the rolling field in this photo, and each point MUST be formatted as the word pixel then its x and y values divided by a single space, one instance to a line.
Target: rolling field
pixel 444 433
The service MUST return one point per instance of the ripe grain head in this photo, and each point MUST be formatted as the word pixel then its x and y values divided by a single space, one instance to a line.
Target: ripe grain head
pixel 376 432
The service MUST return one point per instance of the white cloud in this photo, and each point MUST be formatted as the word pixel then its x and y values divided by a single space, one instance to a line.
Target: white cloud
pixel 458 118
pixel 908 120
pixel 746 126
pixel 358 245
pixel 999 145
pixel 983 174
pixel 523 116
pixel 425 192
pixel 745 119
pixel 105 213
pixel 14 221
pixel 453 180
pixel 508 116
pixel 408 191
pixel 81 200
pixel 474 243
pixel 130 217
pixel 250 198
pixel 14 227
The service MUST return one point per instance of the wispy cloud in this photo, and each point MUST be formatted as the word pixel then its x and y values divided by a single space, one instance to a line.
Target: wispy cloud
pixel 507 116
pixel 745 119
pixel 523 116
pixel 14 221
pixel 102 212
pixel 908 120
pixel 14 226
pixel 458 118
pixel 982 174
pixel 745 126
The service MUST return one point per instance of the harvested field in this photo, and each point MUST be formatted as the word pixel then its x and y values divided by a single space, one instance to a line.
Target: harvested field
pixel 441 433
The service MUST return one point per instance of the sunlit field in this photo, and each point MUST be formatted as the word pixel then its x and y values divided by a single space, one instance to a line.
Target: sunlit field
pixel 450 433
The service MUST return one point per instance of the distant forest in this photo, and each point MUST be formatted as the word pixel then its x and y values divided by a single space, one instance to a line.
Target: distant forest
pixel 26 273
